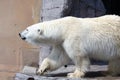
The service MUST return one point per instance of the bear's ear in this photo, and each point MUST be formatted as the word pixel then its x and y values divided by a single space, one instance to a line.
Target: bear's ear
pixel 40 31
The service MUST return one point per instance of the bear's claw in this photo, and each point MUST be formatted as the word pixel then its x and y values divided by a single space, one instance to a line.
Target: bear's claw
pixel 75 75
pixel 41 71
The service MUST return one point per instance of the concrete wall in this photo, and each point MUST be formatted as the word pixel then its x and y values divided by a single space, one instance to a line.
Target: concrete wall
pixel 15 15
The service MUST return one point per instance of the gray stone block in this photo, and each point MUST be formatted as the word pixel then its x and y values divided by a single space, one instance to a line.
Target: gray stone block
pixel 93 74
pixel 53 9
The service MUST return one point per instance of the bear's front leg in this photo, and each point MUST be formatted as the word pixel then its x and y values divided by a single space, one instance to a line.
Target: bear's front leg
pixel 82 65
pixel 77 73
pixel 77 53
pixel 56 59
pixel 44 66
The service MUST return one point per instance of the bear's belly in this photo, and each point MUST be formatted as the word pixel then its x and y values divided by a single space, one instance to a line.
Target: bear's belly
pixel 99 56
pixel 101 51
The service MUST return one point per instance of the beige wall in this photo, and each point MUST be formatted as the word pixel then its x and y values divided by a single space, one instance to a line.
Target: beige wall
pixel 15 15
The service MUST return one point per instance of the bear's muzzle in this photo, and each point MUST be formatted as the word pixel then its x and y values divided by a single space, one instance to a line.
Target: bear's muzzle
pixel 23 38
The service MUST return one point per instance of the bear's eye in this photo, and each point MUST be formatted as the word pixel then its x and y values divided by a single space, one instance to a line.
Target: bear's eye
pixel 38 30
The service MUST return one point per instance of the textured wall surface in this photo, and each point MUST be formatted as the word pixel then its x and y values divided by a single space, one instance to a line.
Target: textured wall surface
pixel 15 15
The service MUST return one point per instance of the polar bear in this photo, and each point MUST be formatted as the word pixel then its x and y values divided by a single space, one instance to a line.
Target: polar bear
pixel 78 39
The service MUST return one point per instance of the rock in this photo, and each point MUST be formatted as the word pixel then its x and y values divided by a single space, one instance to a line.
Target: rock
pixel 53 9
pixel 29 70
pixel 20 76
pixel 95 73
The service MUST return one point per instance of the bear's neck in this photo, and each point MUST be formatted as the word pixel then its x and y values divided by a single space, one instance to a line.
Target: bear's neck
pixel 53 33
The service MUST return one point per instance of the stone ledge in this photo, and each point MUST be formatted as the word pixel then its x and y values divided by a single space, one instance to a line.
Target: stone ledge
pixel 95 73
pixel 20 76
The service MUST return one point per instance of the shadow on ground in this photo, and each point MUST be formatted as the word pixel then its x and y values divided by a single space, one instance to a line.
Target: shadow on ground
pixel 91 74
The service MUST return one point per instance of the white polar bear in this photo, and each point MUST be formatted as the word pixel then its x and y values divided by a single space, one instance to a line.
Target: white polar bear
pixel 78 39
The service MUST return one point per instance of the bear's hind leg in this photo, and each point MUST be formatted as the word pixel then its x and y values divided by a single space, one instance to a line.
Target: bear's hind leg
pixel 114 67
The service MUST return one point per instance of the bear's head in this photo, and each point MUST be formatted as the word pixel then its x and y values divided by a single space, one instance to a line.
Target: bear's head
pixel 46 33
pixel 33 34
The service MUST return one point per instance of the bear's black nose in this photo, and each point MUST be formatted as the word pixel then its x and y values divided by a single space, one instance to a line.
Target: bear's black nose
pixel 23 38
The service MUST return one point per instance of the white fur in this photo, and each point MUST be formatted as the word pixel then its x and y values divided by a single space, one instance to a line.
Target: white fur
pixel 78 39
